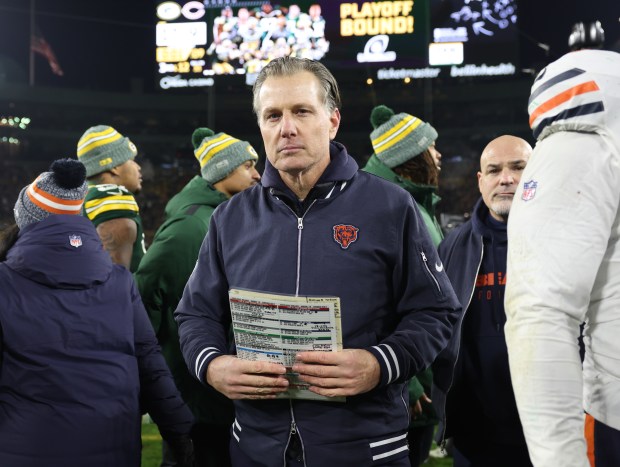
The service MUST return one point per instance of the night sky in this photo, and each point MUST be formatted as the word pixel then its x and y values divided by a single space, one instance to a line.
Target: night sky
pixel 110 45
pixel 100 45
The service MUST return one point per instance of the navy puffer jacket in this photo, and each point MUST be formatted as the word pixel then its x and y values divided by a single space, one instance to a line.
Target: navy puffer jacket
pixel 79 361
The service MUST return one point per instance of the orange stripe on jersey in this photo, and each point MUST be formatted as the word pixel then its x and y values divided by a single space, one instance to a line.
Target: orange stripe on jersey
pixel 555 101
pixel 589 434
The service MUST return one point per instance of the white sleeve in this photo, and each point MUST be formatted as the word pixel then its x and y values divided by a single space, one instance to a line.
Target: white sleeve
pixel 556 242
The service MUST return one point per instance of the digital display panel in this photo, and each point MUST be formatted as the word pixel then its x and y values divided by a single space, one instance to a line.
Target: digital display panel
pixel 475 37
pixel 199 43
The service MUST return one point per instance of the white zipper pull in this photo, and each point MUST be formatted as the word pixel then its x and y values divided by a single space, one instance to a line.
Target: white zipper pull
pixel 300 223
pixel 425 260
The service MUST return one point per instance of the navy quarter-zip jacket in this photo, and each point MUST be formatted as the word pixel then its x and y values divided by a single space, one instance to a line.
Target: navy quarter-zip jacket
pixel 396 302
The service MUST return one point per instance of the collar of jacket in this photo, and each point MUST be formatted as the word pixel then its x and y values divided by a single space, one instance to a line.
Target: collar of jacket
pixel 483 224
pixel 425 195
pixel 341 167
pixel 197 191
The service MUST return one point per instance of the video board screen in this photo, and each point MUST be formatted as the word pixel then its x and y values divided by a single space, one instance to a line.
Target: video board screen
pixel 201 42
pixel 479 37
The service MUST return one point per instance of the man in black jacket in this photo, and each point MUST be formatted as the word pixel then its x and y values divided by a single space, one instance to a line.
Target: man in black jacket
pixel 472 378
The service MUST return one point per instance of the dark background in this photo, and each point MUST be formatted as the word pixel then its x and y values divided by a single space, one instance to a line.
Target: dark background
pixel 110 45
pixel 107 52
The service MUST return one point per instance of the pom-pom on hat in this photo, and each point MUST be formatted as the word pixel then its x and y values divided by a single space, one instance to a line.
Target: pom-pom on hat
pixel 102 148
pixel 398 138
pixel 220 154
pixel 60 191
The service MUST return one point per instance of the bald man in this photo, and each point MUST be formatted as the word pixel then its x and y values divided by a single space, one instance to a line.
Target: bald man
pixel 473 392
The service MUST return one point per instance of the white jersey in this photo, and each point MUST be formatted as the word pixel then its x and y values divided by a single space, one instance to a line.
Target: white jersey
pixel 564 259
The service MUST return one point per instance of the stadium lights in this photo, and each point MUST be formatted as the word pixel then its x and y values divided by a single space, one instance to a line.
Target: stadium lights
pixel 15 122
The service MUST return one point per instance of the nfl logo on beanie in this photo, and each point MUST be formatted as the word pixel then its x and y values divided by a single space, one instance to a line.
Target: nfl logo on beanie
pixel 60 191
pixel 102 148
pixel 220 154
pixel 396 138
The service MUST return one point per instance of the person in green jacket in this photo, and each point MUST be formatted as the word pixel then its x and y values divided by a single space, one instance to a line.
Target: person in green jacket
pixel 405 154
pixel 227 167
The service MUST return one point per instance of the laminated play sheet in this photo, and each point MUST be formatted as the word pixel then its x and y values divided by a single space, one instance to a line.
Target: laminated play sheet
pixel 275 327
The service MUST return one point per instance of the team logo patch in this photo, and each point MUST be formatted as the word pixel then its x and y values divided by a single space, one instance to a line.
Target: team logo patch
pixel 252 152
pixel 344 235
pixel 75 241
pixel 529 190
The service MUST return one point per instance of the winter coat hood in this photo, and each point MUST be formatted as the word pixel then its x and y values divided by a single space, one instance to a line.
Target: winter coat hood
pixel 61 251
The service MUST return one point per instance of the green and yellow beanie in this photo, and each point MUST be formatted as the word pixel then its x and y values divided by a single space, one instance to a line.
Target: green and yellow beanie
pixel 220 154
pixel 398 138
pixel 102 148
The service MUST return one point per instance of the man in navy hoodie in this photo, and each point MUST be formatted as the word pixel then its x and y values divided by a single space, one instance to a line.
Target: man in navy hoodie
pixel 472 377
pixel 317 227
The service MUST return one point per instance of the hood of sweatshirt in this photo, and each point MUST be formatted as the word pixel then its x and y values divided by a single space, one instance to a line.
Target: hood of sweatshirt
pixel 197 192
pixel 424 195
pixel 485 225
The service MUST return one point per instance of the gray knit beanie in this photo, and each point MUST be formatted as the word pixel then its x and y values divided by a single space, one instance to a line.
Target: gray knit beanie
pixel 398 138
pixel 102 148
pixel 220 154
pixel 60 191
